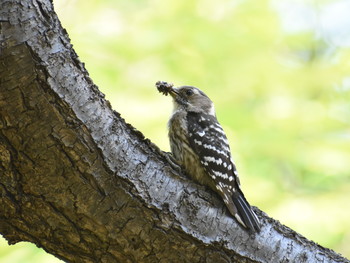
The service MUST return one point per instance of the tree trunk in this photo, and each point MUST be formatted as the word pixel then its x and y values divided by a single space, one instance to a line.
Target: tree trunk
pixel 78 181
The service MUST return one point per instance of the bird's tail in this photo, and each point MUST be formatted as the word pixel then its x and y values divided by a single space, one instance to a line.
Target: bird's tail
pixel 245 215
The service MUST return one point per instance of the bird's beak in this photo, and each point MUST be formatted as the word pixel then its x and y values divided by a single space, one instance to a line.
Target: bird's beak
pixel 174 92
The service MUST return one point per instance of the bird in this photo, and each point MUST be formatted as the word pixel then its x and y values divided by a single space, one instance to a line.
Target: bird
pixel 199 145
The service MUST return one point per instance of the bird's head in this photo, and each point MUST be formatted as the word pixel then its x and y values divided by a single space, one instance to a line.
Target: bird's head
pixel 188 98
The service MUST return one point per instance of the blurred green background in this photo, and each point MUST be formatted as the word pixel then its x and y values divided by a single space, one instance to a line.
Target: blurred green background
pixel 277 71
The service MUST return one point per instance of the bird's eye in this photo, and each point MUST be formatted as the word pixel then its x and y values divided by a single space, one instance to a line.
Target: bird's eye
pixel 189 92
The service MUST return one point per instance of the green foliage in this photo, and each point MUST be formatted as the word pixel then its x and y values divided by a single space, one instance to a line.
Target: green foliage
pixel 282 96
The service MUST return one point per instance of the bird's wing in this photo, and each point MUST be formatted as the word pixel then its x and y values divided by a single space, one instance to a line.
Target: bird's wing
pixel 208 140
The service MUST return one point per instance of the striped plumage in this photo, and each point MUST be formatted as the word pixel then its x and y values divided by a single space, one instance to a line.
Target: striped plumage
pixel 199 144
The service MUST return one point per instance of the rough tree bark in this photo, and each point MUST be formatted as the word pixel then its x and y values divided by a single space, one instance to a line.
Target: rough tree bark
pixel 78 181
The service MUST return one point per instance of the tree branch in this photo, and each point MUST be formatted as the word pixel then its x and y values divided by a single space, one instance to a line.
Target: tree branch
pixel 78 181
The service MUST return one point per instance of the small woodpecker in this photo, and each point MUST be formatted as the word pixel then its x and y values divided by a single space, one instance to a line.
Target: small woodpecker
pixel 199 144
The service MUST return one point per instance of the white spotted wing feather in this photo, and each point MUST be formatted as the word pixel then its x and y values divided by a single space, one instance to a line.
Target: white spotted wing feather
pixel 209 142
